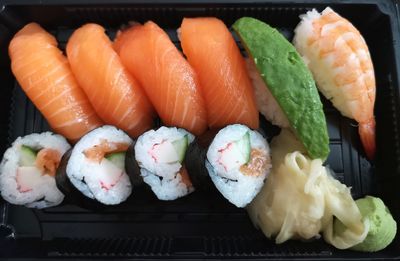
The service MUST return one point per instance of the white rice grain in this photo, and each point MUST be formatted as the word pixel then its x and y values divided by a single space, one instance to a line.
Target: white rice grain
pixel 266 102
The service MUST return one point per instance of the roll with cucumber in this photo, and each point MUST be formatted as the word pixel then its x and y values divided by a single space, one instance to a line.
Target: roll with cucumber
pixel 28 169
pixel 160 154
pixel 238 161
pixel 96 166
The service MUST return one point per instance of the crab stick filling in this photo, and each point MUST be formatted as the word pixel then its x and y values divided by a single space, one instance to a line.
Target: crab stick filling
pixel 110 157
pixel 240 155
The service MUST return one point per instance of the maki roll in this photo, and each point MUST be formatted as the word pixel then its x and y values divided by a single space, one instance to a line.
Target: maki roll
pixel 160 154
pixel 238 161
pixel 96 166
pixel 28 168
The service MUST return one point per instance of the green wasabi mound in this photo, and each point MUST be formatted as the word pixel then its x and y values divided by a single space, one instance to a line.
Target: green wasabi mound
pixel 382 226
pixel 290 82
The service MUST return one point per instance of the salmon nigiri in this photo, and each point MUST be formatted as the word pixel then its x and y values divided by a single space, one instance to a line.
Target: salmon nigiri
pixel 115 95
pixel 168 79
pixel 214 55
pixel 341 64
pixel 46 77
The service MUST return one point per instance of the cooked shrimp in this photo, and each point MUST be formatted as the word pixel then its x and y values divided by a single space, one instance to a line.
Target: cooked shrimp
pixel 340 61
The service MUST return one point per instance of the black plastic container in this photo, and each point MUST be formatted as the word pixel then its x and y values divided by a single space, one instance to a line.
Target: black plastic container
pixel 202 225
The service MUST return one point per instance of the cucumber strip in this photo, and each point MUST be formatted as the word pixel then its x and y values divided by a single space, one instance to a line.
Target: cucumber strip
pixel 27 156
pixel 117 158
pixel 180 147
pixel 244 146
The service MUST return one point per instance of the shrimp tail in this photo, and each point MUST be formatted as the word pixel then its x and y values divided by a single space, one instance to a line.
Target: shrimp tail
pixel 367 135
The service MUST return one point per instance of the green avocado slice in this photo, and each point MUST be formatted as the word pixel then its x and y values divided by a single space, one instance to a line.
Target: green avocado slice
pixel 290 82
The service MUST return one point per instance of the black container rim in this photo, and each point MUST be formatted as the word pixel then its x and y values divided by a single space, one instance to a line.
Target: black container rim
pixel 391 8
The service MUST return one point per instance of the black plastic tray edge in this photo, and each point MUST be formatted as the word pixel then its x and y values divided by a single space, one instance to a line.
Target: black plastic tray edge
pixel 394 14
pixel 189 2
pixel 386 6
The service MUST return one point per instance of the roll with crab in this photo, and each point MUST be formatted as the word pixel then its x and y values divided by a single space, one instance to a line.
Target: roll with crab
pixel 28 168
pixel 160 154
pixel 96 166
pixel 238 161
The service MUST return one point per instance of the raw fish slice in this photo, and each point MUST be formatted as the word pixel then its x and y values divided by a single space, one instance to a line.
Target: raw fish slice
pixel 341 64
pixel 45 75
pixel 47 161
pixel 169 81
pixel 114 93
pixel 227 90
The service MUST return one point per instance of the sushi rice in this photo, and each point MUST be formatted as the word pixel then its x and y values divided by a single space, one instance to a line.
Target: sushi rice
pixel 163 175
pixel 237 186
pixel 40 190
pixel 266 102
pixel 89 176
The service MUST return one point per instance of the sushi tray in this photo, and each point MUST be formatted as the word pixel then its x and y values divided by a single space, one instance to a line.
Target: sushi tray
pixel 258 129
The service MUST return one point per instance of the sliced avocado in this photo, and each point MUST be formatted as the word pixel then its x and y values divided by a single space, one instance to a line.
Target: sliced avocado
pixel 117 158
pixel 181 146
pixel 244 146
pixel 27 157
pixel 290 82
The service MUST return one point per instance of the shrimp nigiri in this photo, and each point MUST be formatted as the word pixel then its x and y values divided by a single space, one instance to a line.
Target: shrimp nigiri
pixel 340 61
pixel 46 77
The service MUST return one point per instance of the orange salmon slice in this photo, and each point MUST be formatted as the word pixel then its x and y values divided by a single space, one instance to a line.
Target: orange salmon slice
pixel 169 81
pixel 46 77
pixel 226 86
pixel 115 95
pixel 47 161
